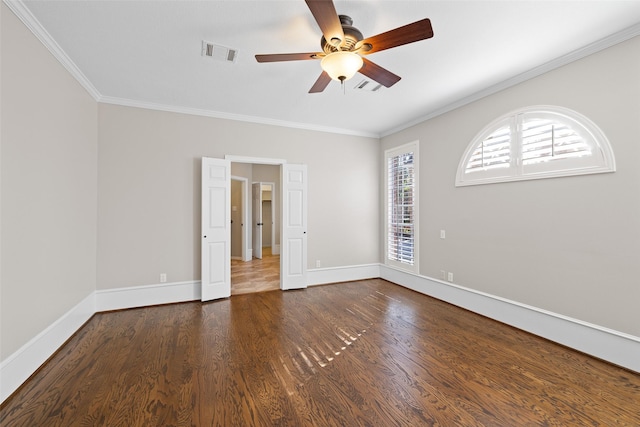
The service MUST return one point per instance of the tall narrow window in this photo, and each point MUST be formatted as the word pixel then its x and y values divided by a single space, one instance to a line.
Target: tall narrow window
pixel 402 207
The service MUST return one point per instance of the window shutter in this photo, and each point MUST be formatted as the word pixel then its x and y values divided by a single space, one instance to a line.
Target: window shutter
pixel 493 152
pixel 400 199
pixel 533 143
pixel 544 140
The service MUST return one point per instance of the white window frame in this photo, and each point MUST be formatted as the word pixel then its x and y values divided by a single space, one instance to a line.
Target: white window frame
pixel 390 153
pixel 601 160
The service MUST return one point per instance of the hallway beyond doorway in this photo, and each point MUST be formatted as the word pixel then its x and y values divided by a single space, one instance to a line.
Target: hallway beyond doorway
pixel 257 275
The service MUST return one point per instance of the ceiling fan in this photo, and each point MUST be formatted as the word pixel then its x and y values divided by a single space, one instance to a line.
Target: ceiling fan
pixel 343 47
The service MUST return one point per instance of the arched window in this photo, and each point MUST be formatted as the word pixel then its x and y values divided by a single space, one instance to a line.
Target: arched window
pixel 535 142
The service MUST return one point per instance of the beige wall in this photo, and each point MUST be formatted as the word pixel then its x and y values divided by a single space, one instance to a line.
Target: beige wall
pixel 569 245
pixel 49 188
pixel 149 190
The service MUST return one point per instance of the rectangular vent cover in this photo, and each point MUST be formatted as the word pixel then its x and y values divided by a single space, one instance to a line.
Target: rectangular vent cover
pixel 369 86
pixel 218 52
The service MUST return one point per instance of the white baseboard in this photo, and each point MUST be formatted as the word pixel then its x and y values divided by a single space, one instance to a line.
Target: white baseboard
pixel 606 344
pixel 19 366
pixel 613 346
pixel 141 296
pixel 322 276
pixel 275 249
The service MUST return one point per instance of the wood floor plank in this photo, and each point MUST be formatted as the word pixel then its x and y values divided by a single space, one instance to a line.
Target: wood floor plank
pixel 256 275
pixel 365 353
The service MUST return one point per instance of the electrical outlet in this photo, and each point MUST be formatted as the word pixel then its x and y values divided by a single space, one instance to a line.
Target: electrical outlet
pixel 318 263
pixel 443 275
pixel 163 277
pixel 450 277
pixel 443 234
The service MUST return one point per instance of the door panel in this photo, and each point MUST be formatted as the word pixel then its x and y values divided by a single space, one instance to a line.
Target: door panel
pixel 294 227
pixel 257 220
pixel 216 229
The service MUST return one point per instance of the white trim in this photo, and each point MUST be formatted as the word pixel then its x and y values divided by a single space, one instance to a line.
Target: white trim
pixel 414 147
pixel 230 116
pixel 19 366
pixel 142 296
pixel 604 343
pixel 32 23
pixel 25 15
pixel 323 276
pixel 576 55
pixel 254 160
pixel 275 250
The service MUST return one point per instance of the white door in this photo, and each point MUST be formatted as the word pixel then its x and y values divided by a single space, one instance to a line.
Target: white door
pixel 257 220
pixel 293 257
pixel 216 228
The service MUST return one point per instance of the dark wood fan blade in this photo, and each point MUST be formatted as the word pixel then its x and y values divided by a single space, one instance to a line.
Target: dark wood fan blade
pixel 277 57
pixel 321 83
pixel 379 74
pixel 410 33
pixel 327 18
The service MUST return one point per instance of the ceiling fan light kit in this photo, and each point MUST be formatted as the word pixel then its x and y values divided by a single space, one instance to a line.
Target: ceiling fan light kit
pixel 343 46
pixel 341 65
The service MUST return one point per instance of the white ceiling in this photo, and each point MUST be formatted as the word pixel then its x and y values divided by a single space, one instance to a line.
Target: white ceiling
pixel 149 53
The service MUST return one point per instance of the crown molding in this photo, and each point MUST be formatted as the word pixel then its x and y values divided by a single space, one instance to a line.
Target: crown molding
pixel 230 116
pixel 30 21
pixel 583 52
pixel 25 15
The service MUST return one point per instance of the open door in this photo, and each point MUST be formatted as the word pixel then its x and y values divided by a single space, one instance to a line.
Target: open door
pixel 293 258
pixel 257 220
pixel 216 229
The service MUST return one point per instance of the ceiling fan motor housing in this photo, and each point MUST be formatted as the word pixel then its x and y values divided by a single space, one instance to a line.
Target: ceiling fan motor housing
pixel 351 36
pixel 342 54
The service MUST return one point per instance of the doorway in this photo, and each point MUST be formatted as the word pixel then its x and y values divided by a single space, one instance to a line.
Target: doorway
pixel 216 224
pixel 260 270
pixel 240 219
pixel 264 218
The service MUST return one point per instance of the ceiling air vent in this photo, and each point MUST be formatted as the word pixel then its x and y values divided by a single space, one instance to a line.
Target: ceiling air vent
pixel 369 86
pixel 218 52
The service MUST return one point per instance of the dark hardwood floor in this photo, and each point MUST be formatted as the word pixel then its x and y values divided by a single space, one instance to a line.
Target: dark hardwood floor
pixel 365 353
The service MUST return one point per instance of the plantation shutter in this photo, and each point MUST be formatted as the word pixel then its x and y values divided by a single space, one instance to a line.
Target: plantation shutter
pixel 544 140
pixel 535 142
pixel 401 208
pixel 493 152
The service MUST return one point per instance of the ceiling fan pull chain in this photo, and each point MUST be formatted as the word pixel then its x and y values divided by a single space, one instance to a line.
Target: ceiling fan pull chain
pixel 343 46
